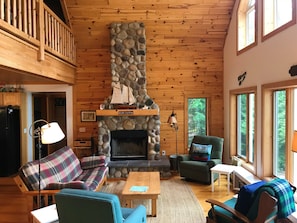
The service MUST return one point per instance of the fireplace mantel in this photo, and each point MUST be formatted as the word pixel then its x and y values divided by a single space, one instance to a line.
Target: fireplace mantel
pixel 127 112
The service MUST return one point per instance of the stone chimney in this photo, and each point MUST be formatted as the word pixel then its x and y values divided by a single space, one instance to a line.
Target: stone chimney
pixel 128 68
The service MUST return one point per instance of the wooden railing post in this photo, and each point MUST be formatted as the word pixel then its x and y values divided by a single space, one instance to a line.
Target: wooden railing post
pixel 41 29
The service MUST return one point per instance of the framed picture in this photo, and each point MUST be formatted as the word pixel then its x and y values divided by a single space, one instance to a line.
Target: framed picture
pixel 88 116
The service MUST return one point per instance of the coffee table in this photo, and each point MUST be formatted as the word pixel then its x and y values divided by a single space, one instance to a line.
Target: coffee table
pixel 139 181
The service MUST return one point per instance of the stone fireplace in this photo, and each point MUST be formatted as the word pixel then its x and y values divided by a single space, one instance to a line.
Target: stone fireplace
pixel 128 69
pixel 137 114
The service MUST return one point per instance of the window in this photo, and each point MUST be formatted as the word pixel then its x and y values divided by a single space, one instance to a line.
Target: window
pixel 246 24
pixel 246 126
pixel 197 118
pixel 277 15
pixel 243 126
pixel 279 122
pixel 279 133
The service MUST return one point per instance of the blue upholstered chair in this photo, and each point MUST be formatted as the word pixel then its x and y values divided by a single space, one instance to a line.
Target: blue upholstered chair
pixel 77 206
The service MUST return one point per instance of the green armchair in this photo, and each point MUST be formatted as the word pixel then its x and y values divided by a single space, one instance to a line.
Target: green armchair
pixel 197 164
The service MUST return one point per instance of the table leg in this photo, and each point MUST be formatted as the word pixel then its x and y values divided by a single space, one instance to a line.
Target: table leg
pixel 228 183
pixel 219 179
pixel 212 183
pixel 154 207
pixel 127 203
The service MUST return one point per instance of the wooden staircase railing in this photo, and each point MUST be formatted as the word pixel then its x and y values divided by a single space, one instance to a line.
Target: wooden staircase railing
pixel 34 22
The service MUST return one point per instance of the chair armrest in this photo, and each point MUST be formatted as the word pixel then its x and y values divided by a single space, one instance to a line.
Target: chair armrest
pixel 183 157
pixel 91 162
pixel 211 163
pixel 138 215
pixel 227 208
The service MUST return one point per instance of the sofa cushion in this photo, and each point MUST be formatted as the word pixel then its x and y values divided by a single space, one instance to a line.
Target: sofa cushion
pixel 93 177
pixel 60 166
pixel 200 152
pixel 92 161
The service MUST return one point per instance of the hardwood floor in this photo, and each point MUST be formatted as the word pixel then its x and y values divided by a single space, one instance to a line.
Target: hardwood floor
pixel 13 207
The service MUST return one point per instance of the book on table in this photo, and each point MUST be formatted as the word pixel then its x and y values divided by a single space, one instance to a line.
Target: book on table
pixel 139 188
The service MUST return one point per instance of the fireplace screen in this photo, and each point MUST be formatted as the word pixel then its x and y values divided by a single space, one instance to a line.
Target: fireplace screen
pixel 129 144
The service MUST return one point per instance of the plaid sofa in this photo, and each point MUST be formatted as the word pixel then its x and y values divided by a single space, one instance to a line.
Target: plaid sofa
pixel 62 169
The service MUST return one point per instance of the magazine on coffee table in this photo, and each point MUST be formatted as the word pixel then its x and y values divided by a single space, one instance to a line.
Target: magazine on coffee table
pixel 139 188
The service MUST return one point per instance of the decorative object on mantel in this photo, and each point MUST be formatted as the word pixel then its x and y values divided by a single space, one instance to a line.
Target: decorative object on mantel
pixel 241 78
pixel 47 134
pixel 294 144
pixel 122 95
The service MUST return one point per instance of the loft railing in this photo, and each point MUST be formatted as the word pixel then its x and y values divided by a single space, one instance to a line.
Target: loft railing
pixel 34 22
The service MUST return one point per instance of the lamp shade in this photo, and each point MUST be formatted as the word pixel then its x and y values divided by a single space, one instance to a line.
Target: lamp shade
pixel 51 133
pixel 294 144
pixel 172 120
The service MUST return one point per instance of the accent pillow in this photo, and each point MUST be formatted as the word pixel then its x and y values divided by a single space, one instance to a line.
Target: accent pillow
pixel 200 152
pixel 90 162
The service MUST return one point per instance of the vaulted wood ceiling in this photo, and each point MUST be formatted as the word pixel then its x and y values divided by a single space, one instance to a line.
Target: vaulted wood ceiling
pixel 181 22
pixel 203 20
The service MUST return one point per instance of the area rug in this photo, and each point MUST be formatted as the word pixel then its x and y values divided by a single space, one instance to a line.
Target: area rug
pixel 176 203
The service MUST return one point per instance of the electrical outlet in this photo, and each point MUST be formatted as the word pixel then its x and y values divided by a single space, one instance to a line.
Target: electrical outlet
pixel 163 152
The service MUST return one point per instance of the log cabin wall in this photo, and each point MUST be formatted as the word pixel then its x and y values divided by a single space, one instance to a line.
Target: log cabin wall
pixel 184 58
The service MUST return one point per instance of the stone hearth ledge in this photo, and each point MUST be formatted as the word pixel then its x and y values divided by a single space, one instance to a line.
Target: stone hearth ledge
pixel 121 168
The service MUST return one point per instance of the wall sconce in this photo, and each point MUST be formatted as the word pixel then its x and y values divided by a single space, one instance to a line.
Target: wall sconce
pixel 172 121
pixel 241 78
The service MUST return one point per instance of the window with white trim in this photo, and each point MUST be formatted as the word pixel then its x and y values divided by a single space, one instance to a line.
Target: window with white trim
pixel 277 14
pixel 246 24
pixel 246 126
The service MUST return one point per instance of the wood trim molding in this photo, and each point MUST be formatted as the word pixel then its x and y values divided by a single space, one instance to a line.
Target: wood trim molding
pixel 127 112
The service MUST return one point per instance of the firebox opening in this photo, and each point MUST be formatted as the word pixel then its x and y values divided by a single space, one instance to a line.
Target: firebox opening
pixel 129 144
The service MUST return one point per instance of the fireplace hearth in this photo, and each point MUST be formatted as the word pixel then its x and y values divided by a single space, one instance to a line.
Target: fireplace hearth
pixel 129 144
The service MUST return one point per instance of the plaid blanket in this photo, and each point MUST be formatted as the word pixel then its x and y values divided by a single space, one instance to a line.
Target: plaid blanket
pixel 284 195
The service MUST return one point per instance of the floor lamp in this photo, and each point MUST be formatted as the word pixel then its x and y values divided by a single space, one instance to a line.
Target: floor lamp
pixel 172 121
pixel 47 134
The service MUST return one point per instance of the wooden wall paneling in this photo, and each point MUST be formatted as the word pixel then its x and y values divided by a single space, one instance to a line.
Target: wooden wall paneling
pixel 184 52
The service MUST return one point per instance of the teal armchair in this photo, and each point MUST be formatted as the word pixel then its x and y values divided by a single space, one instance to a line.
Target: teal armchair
pixel 77 206
pixel 197 166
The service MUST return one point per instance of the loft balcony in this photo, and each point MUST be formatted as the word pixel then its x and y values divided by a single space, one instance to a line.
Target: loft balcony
pixel 36 46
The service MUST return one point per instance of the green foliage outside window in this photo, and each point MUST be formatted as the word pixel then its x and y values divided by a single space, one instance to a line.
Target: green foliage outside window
pixel 197 110
pixel 279 139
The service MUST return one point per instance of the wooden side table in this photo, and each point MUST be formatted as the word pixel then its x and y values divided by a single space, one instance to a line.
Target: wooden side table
pixel 82 148
pixel 222 169
pixel 47 214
